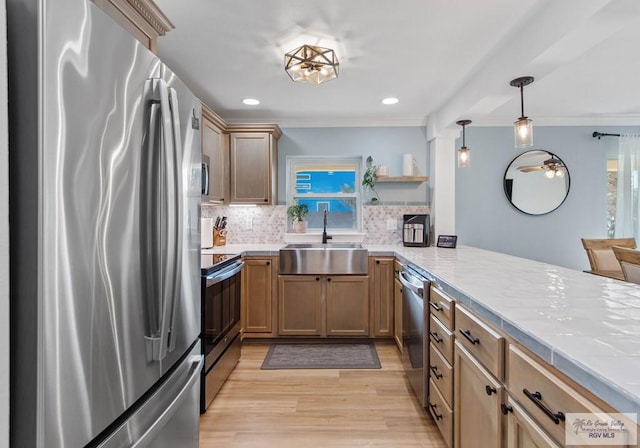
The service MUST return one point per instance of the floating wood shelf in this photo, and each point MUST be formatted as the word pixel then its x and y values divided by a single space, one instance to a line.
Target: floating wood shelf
pixel 401 179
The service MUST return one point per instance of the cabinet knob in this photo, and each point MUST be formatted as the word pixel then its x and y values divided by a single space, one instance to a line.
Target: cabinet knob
pixel 266 200
pixel 489 389
pixel 505 408
pixel 268 263
pixel 377 261
pixel 317 279
pixel 329 279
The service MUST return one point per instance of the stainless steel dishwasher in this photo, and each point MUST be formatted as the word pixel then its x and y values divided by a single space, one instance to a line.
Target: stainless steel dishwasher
pixel 415 290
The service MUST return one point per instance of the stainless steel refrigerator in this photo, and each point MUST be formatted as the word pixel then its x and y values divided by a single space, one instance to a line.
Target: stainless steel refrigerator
pixel 105 173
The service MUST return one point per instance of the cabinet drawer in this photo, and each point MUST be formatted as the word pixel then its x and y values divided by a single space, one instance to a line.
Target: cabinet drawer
pixel 537 389
pixel 441 306
pixel 441 338
pixel 441 413
pixel 441 374
pixel 523 431
pixel 481 341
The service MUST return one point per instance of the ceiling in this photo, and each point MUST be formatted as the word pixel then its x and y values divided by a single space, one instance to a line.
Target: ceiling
pixel 445 60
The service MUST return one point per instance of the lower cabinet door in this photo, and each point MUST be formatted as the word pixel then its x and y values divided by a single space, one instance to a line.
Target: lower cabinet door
pixel 347 305
pixel 523 431
pixel 300 305
pixel 478 420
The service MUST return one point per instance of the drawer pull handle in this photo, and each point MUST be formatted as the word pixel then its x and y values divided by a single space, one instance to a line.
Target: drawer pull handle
pixel 536 397
pixel 434 369
pixel 435 413
pixel 435 306
pixel 505 408
pixel 490 389
pixel 467 335
pixel 435 337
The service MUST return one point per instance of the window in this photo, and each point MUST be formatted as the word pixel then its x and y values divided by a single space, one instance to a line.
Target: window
pixel 326 183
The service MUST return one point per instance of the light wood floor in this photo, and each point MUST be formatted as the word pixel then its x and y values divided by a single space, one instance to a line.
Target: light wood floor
pixel 317 408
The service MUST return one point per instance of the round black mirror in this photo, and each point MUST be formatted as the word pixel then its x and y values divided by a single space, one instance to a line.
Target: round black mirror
pixel 536 182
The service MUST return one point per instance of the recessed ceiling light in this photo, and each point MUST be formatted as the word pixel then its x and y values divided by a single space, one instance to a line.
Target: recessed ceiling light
pixel 251 101
pixel 390 100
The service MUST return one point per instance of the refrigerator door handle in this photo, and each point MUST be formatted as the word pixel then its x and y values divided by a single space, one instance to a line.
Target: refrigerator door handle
pixel 169 221
pixel 197 362
pixel 150 210
pixel 176 199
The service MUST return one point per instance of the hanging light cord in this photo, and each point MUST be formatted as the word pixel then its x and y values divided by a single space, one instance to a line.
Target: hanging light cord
pixel 463 142
pixel 521 101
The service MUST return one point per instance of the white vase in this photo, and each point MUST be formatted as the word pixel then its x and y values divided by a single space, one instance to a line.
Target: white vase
pixel 300 226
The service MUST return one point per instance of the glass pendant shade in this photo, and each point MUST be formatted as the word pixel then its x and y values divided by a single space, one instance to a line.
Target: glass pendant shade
pixel 463 152
pixel 523 131
pixel 310 64
pixel 463 157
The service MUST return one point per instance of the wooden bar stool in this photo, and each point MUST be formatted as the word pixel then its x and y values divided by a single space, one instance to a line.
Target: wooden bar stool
pixel 629 260
pixel 601 257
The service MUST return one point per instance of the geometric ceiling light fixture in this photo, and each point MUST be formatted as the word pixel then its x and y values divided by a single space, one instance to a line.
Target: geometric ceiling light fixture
pixel 523 126
pixel 311 64
pixel 463 152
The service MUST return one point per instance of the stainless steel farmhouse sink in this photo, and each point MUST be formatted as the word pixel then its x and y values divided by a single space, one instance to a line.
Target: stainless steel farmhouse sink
pixel 317 258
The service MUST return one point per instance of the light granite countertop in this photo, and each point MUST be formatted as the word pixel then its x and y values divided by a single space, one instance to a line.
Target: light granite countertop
pixel 585 325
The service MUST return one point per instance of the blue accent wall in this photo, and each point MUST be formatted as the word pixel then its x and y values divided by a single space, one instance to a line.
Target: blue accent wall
pixel 486 219
pixel 385 144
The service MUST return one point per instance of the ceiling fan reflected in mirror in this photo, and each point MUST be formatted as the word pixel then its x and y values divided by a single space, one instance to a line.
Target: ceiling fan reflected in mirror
pixel 553 167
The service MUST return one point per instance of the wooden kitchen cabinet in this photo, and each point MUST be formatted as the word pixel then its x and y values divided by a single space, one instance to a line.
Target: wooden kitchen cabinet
pixel 320 305
pixel 215 145
pixel 253 152
pixel 523 431
pixel 347 305
pixel 397 304
pixel 300 305
pixel 478 395
pixel 381 289
pixel 258 295
pixel 141 18
pixel 397 312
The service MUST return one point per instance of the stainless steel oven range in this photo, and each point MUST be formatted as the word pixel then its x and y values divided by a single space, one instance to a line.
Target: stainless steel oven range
pixel 221 284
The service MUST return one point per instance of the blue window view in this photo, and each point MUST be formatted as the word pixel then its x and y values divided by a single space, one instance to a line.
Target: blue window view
pixel 330 189
pixel 325 182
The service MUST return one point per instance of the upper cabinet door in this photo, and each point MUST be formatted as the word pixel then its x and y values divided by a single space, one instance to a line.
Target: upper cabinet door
pixel 253 162
pixel 215 145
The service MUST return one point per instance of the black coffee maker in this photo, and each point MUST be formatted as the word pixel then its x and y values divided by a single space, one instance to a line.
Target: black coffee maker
pixel 415 230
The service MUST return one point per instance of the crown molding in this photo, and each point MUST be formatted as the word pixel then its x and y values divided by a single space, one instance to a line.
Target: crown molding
pixel 336 122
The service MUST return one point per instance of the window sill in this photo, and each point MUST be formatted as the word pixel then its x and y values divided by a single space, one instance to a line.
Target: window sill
pixel 314 237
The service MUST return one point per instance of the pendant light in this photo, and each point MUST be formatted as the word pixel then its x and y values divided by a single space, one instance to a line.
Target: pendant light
pixel 463 152
pixel 523 126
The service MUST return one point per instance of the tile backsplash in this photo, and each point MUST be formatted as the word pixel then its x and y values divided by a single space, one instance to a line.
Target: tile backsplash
pixel 268 224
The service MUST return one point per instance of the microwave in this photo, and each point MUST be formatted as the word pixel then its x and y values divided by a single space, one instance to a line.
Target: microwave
pixel 205 178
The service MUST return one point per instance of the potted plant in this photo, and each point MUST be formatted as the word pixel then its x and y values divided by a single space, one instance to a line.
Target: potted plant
pixel 369 181
pixel 297 214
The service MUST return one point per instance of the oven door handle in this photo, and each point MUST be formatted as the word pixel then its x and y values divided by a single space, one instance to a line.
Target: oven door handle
pixel 217 277
pixel 407 284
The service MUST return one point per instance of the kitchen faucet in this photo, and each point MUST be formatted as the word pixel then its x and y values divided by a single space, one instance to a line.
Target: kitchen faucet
pixel 325 237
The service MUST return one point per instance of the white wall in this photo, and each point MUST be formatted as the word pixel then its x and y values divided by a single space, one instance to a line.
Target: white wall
pixel 4 238
pixel 385 144
pixel 486 219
